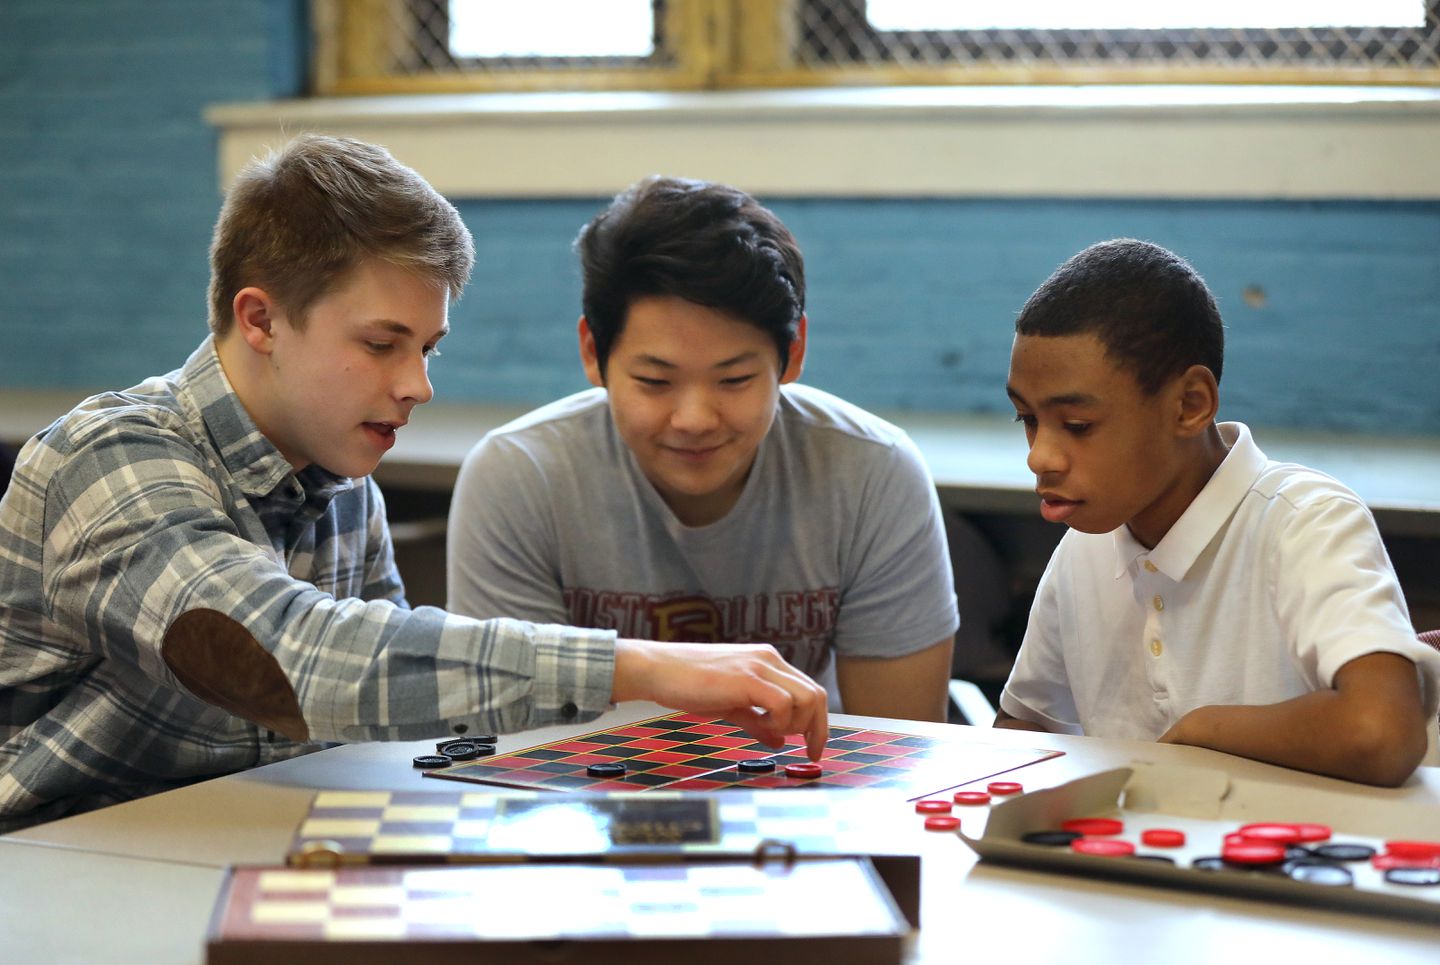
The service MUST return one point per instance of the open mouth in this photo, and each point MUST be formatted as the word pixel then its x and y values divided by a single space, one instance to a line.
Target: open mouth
pixel 1056 509
pixel 382 433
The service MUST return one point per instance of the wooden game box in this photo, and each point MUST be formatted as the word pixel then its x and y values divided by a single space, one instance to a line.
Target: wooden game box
pixel 383 828
pixel 718 912
pixel 1207 805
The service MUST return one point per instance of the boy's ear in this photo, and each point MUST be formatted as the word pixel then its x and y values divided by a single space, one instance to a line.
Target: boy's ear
pixel 254 312
pixel 588 357
pixel 1199 400
pixel 796 363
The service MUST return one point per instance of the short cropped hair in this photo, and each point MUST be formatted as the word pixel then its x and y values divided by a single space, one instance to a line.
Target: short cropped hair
pixel 1149 308
pixel 707 243
pixel 297 222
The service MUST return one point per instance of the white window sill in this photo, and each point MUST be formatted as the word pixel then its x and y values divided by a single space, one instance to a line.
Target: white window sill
pixel 1098 142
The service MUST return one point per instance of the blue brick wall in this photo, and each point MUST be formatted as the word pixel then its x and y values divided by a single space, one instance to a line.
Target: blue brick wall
pixel 912 303
pixel 107 173
pixel 107 196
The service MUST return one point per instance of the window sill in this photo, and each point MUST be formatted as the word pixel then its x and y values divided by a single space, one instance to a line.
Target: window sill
pixel 1074 142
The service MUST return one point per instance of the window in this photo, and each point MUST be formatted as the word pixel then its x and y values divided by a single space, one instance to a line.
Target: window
pixel 375 46
pixel 390 46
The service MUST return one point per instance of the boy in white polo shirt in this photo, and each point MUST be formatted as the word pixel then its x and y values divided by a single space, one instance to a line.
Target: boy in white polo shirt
pixel 1204 594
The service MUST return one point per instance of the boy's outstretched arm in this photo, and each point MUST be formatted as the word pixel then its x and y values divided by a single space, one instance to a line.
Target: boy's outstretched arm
pixel 1370 727
pixel 749 685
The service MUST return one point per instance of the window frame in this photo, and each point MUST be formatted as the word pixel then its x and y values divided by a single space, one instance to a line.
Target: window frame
pixel 730 44
pixel 350 52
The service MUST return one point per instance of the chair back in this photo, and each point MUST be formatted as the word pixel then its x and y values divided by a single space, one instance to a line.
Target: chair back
pixel 1431 637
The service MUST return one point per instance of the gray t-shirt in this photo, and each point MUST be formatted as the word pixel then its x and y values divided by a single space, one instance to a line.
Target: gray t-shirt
pixel 836 542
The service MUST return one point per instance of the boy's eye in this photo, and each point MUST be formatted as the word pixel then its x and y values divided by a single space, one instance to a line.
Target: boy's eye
pixel 736 380
pixel 378 346
pixel 1028 421
pixel 1077 428
pixel 649 382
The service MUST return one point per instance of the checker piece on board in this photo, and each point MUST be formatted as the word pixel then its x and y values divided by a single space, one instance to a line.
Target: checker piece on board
pixel 606 769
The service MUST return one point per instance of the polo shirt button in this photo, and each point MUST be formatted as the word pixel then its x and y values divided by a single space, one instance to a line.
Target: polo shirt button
pixel 569 710
pixel 1159 603
pixel 1155 646
pixel 1151 567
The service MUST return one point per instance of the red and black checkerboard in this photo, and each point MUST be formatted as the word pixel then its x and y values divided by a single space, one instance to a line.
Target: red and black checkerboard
pixel 686 752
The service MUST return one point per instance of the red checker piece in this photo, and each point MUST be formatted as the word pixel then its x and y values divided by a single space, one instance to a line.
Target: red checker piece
pixel 972 797
pixel 942 822
pixel 1284 833
pixel 1163 838
pixel 1102 847
pixel 803 769
pixel 1004 787
pixel 1099 826
pixel 932 807
pixel 1253 852
pixel 1413 849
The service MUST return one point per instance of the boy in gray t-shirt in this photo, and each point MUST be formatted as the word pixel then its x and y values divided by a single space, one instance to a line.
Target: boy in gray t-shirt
pixel 697 493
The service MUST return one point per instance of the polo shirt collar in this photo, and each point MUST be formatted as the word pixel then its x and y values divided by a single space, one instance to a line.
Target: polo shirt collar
pixel 1206 515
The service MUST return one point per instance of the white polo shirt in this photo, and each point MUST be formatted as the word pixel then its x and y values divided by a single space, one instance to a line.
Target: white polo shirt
pixel 1271 580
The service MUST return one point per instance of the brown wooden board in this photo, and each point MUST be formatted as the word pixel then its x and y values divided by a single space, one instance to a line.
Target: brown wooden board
pixel 713 912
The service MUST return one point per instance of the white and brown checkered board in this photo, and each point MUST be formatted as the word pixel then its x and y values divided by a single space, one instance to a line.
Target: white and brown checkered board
pixel 496 903
pixel 685 752
pixel 388 827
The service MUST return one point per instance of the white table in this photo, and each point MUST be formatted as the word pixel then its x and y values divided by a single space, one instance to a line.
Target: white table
pixel 135 882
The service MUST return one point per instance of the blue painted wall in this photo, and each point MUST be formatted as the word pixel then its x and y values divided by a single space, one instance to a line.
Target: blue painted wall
pixel 108 193
pixel 912 303
pixel 107 173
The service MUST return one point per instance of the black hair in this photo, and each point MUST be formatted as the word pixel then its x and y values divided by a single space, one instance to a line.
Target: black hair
pixel 1149 308
pixel 707 243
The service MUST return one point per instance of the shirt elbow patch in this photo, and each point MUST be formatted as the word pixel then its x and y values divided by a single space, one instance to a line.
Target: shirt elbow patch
pixel 221 662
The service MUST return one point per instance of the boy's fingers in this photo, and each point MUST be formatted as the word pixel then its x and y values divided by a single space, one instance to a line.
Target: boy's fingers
pixel 801 710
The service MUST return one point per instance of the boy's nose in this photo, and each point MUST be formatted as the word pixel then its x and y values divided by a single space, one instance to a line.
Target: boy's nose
pixel 1044 458
pixel 694 413
pixel 414 384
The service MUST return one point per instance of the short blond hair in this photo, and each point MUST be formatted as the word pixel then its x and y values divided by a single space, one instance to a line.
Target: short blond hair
pixel 298 221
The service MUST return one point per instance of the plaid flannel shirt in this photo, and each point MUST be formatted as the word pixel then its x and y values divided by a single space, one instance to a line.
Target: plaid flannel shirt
pixel 139 507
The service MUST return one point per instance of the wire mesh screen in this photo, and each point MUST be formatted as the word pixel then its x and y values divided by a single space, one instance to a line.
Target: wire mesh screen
pixel 837 34
pixel 399 45
pixel 440 44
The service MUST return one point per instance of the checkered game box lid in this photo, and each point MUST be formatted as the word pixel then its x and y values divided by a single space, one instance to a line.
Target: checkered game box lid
pixel 720 912
pixel 353 828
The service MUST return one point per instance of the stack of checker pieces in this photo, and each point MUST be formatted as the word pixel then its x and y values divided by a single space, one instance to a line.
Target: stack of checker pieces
pixel 648 877
pixel 457 750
